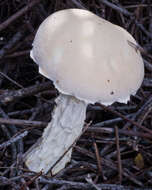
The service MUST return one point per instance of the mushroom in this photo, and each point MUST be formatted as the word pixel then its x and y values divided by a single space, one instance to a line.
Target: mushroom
pixel 89 60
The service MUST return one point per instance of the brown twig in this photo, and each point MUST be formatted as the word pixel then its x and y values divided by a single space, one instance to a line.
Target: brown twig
pixel 21 122
pixel 10 96
pixel 13 81
pixel 110 164
pixel 17 54
pixel 17 15
pixel 117 8
pixel 16 38
pixel 104 130
pixel 78 4
pixel 13 139
pixel 31 181
pixel 125 118
pixel 118 155
pixel 99 163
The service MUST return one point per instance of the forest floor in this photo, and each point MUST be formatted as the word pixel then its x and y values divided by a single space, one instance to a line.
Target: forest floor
pixel 116 157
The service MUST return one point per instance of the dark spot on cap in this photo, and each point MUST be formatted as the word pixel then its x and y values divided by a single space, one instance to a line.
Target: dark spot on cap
pixel 108 80
pixel 70 41
pixel 112 92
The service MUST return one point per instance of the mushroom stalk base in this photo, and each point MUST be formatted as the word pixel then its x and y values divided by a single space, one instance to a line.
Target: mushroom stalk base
pixel 53 150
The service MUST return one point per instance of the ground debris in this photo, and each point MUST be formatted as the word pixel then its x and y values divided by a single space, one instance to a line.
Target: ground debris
pixel 115 151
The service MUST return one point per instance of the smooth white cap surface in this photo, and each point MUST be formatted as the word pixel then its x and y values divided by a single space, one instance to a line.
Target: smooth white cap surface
pixel 88 57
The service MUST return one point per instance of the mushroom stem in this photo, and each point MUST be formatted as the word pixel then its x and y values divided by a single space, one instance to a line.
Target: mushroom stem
pixel 65 127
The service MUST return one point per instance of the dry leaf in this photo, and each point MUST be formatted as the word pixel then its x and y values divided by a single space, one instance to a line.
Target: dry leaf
pixel 139 161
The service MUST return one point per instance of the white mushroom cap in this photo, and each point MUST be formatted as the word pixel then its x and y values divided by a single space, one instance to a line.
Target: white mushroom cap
pixel 88 57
